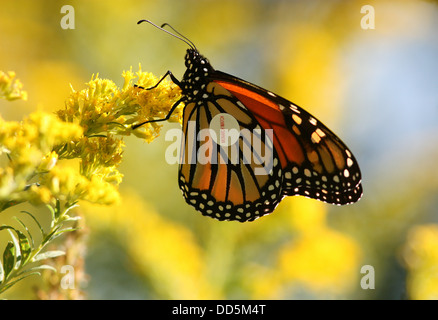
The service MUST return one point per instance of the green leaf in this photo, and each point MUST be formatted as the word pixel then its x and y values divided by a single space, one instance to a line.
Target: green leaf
pixel 50 236
pixel 21 244
pixel 98 136
pixel 18 256
pixel 25 247
pixel 37 268
pixel 66 230
pixel 72 206
pixel 43 234
pixel 58 209
pixel 75 218
pixel 16 280
pixel 53 213
pixel 57 233
pixel 8 259
pixel 9 204
pixel 48 254
pixel 2 273
pixel 32 243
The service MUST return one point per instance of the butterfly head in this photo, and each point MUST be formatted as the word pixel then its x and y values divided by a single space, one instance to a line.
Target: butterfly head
pixel 194 59
pixel 196 76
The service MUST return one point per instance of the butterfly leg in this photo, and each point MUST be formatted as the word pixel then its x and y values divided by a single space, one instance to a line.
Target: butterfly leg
pixel 168 73
pixel 177 82
pixel 158 120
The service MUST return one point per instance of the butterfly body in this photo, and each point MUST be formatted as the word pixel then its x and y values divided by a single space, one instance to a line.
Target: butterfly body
pixel 276 148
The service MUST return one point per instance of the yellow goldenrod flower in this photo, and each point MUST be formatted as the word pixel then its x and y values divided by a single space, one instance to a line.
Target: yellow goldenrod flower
pixel 11 89
pixel 67 184
pixel 101 192
pixel 98 156
pixel 28 147
pixel 48 162
pixel 85 130
pixel 60 160
pixel 104 108
pixel 50 131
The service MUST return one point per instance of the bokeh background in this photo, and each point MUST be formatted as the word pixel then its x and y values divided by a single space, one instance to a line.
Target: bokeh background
pixel 377 89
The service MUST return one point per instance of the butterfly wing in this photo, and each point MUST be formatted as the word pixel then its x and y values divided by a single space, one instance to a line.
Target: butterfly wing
pixel 228 182
pixel 315 162
pixel 297 154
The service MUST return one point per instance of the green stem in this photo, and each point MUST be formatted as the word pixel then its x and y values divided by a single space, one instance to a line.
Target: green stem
pixel 58 219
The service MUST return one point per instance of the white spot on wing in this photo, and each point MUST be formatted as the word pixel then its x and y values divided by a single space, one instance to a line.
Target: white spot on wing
pixel 297 119
pixel 240 104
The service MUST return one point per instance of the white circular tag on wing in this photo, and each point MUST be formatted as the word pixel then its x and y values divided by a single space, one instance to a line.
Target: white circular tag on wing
pixel 226 129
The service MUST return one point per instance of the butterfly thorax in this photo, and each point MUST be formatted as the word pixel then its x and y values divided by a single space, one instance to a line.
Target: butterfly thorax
pixel 195 79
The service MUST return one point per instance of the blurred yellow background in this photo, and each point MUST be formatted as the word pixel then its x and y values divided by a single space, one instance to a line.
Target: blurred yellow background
pixel 376 88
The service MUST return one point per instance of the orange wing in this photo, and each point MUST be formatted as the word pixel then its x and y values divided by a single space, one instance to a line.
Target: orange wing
pixel 315 162
pixel 216 184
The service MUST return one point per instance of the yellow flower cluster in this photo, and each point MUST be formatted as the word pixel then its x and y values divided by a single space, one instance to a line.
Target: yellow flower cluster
pixel 84 130
pixel 28 147
pixel 99 156
pixel 10 89
pixel 421 259
pixel 103 108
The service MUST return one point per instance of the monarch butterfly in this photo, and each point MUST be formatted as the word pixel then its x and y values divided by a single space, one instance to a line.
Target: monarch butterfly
pixel 303 157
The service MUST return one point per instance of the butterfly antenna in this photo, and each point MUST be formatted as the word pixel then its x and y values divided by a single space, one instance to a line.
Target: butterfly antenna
pixel 180 37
